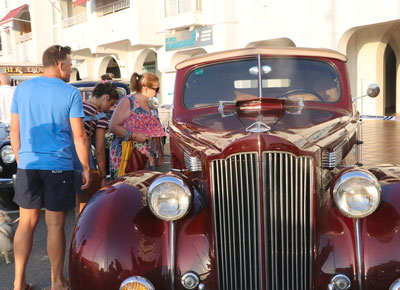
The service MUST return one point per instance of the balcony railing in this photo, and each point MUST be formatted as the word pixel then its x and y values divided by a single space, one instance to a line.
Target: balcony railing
pixel 74 20
pixel 113 7
pixel 176 7
pixel 24 37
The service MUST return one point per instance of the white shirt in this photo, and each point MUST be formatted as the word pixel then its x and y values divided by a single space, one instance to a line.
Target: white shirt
pixel 6 95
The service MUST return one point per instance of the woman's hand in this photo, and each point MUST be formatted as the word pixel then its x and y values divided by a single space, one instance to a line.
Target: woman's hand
pixel 140 138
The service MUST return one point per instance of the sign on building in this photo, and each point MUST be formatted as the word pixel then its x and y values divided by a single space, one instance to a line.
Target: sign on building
pixel 199 36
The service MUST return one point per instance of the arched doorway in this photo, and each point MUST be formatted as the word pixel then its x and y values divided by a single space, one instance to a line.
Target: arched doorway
pixel 75 76
pixel 147 62
pixel 373 52
pixel 113 67
pixel 150 63
pixel 390 80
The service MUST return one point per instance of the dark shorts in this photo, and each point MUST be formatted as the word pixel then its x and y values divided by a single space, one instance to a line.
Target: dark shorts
pixel 51 189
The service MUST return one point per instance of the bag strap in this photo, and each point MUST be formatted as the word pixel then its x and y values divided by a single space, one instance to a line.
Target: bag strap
pixel 95 117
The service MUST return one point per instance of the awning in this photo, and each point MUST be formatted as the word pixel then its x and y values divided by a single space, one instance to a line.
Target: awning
pixel 78 2
pixel 12 14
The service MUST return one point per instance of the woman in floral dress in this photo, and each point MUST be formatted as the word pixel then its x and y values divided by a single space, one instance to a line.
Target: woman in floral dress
pixel 130 121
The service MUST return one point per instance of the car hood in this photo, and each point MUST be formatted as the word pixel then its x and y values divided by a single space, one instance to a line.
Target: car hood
pixel 302 127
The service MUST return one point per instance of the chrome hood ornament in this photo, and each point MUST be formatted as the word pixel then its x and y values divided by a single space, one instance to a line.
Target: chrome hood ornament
pixel 258 127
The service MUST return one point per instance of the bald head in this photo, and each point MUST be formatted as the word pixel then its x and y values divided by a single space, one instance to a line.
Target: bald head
pixel 5 79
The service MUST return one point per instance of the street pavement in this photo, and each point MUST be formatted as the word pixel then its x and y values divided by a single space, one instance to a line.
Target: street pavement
pixel 380 147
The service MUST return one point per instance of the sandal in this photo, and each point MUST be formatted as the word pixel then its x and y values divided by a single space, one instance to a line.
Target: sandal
pixel 29 287
pixel 66 285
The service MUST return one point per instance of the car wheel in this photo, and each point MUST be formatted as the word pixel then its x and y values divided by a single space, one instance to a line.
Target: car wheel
pixel 6 199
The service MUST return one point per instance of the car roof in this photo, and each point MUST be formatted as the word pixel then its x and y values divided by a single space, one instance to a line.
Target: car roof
pixel 92 83
pixel 276 51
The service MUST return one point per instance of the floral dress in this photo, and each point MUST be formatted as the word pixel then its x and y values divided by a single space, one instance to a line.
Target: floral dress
pixel 148 148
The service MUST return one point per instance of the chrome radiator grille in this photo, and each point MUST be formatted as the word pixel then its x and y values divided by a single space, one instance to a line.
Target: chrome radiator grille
pixel 285 217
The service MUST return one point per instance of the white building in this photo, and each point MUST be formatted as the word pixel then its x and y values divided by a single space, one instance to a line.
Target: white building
pixel 154 35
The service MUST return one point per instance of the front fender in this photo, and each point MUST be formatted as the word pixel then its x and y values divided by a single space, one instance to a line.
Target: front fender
pixel 379 237
pixel 380 233
pixel 117 236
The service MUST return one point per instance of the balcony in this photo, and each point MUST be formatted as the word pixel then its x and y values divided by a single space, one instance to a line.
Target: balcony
pixel 74 20
pixel 24 37
pixel 79 34
pixel 113 7
pixel 177 7
pixel 183 13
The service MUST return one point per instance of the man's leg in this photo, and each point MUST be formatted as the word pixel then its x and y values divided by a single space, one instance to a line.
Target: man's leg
pixel 23 240
pixel 55 221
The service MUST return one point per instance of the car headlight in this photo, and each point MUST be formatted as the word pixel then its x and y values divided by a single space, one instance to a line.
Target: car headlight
pixel 7 155
pixel 136 283
pixel 357 193
pixel 169 198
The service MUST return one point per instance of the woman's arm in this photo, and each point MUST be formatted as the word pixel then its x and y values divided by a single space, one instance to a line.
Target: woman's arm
pixel 121 113
pixel 119 116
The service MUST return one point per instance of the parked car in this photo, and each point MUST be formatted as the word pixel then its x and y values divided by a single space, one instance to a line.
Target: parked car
pixel 266 188
pixel 8 168
pixel 86 87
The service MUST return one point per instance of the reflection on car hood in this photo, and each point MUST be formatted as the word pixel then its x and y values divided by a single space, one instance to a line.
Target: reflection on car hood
pixel 217 131
pixel 3 133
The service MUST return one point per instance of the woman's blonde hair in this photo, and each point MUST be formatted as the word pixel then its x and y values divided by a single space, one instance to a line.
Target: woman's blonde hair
pixel 138 81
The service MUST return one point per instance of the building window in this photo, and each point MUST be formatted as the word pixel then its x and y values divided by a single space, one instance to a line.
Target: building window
pixel 104 7
pixel 25 23
pixel 176 7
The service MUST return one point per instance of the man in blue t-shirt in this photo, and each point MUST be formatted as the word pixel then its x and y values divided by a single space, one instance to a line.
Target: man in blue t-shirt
pixel 46 117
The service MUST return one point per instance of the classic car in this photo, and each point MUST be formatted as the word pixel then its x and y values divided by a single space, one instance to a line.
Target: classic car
pixel 266 188
pixel 8 168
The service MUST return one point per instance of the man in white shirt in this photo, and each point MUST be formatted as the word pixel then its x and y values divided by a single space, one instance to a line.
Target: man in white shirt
pixel 6 95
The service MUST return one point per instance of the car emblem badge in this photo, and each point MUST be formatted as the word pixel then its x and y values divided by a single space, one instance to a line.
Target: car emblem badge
pixel 258 127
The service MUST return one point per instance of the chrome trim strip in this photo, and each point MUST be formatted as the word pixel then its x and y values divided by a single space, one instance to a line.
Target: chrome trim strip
pixel 358 252
pixel 333 159
pixel 259 76
pixel 178 170
pixel 172 253
pixel 193 163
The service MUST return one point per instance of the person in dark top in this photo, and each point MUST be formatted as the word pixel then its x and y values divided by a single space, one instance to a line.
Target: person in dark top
pixel 104 97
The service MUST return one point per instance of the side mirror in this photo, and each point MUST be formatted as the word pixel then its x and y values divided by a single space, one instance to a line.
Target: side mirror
pixel 373 90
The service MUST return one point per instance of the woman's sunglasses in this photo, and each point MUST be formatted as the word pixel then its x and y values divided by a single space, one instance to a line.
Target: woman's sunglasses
pixel 156 89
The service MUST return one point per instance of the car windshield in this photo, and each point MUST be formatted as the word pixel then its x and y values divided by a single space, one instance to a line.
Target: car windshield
pixel 308 79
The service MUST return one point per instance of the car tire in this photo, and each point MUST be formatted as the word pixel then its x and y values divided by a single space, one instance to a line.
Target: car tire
pixel 6 199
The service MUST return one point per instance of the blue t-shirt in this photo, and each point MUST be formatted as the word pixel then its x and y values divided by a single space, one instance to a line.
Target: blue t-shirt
pixel 44 106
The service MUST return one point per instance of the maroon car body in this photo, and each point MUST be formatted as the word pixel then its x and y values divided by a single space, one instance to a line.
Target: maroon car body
pixel 278 197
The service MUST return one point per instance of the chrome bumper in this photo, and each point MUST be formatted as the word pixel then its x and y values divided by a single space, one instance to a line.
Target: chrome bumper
pixel 7 182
